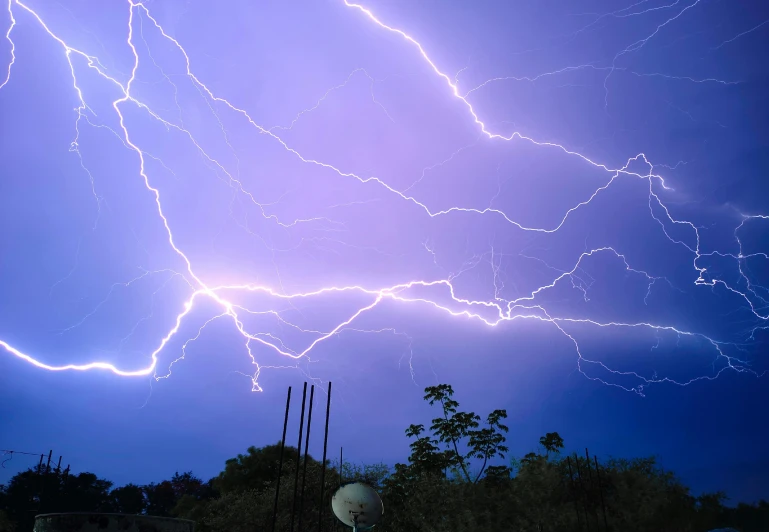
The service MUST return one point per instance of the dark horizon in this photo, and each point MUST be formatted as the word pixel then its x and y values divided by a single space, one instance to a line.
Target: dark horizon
pixel 560 209
pixel 623 492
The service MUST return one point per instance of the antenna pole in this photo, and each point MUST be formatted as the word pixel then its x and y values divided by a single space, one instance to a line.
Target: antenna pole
pixel 304 465
pixel 321 506
pixel 574 492
pixel 45 486
pixel 581 485
pixel 590 477
pixel 600 490
pixel 341 477
pixel 298 456
pixel 280 463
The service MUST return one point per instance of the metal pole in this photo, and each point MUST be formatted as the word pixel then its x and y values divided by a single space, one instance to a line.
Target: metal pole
pixel 280 463
pixel 341 478
pixel 46 485
pixel 600 490
pixel 590 477
pixel 58 481
pixel 574 492
pixel 584 504
pixel 321 506
pixel 304 465
pixel 298 456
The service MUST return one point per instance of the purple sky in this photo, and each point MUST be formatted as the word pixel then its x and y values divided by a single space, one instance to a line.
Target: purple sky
pixel 555 206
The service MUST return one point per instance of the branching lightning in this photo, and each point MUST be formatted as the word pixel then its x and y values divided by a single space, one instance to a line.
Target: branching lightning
pixel 440 294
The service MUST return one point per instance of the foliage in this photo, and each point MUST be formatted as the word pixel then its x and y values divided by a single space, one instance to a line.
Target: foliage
pixel 453 482
pixel 254 469
pixel 450 429
pixel 6 525
pixel 128 499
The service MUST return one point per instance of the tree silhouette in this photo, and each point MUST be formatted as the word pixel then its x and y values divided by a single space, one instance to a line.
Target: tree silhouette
pixel 453 482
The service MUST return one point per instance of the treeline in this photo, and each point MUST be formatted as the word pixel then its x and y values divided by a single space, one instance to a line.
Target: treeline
pixel 448 485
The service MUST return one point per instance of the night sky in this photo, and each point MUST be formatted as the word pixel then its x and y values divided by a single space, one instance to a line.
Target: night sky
pixel 560 208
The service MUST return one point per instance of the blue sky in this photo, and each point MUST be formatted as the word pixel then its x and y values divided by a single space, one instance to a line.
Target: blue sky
pixel 560 209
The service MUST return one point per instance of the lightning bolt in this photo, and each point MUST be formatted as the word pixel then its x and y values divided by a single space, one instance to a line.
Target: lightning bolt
pixel 440 294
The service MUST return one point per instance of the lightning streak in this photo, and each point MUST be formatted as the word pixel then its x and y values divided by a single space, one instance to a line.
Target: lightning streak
pixel 439 294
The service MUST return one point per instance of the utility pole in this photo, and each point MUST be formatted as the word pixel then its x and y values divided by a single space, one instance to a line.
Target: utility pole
pixel 574 493
pixel 600 490
pixel 304 465
pixel 280 463
pixel 298 456
pixel 322 504
pixel 584 491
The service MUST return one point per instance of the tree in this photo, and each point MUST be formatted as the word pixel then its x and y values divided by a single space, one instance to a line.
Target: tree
pixel 255 468
pixel 193 496
pixel 451 483
pixel 422 494
pixel 6 525
pixel 454 426
pixel 35 491
pixel 552 442
pixel 161 498
pixel 128 499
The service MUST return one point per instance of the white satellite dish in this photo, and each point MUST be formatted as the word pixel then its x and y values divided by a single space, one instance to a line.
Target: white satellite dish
pixel 357 505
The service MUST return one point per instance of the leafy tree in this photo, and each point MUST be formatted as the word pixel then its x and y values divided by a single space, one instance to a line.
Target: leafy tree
pixel 128 499
pixel 419 494
pixel 186 484
pixel 34 491
pixel 747 517
pixel 6 525
pixel 454 426
pixel 251 509
pixel 450 484
pixel 552 442
pixel 254 469
pixel 192 503
pixel 160 497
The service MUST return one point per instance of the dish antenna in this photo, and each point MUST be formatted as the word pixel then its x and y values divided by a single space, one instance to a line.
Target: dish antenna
pixel 357 505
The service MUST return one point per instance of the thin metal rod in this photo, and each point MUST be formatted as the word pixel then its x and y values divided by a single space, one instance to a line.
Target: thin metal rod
pixel 298 456
pixel 600 490
pixel 304 465
pixel 45 485
pixel 280 463
pixel 341 466
pixel 574 492
pixel 581 485
pixel 322 506
pixel 590 477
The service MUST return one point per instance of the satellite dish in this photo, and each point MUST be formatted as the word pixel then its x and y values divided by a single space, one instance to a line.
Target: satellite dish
pixel 357 505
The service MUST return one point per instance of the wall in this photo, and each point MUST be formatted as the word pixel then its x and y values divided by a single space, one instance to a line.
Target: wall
pixel 92 522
